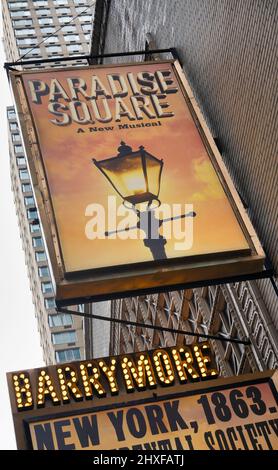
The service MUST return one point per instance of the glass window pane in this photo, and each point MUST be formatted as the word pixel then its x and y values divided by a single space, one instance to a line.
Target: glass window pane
pixel 26 187
pixel 64 337
pixel 37 242
pixel 44 272
pixel 61 319
pixel 29 201
pixel 18 148
pixel 47 287
pixel 21 161
pixel 23 174
pixel 49 303
pixel 32 214
pixel 35 228
pixel 68 355
pixel 40 256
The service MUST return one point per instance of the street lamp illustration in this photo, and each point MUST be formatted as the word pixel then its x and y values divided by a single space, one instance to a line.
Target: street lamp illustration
pixel 136 177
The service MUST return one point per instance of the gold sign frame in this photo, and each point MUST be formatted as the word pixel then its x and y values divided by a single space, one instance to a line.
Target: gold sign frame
pixel 112 282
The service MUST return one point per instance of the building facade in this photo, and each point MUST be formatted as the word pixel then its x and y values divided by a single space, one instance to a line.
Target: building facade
pixel 41 29
pixel 227 50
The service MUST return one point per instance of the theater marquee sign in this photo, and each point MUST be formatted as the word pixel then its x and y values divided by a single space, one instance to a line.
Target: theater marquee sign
pixel 157 400
pixel 131 189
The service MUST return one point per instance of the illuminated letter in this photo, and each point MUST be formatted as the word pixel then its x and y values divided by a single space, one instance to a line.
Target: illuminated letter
pixel 45 387
pixel 22 389
pixel 183 362
pixel 38 89
pixel 90 375
pixel 138 374
pixel 110 373
pixel 205 362
pixel 163 367
pixel 68 380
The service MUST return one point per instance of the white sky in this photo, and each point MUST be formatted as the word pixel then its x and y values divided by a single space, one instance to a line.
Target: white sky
pixel 19 338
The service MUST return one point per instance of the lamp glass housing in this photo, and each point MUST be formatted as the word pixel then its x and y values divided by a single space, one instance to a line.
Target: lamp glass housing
pixel 135 176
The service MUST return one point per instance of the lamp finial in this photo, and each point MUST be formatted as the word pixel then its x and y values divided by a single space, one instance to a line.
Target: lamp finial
pixel 124 149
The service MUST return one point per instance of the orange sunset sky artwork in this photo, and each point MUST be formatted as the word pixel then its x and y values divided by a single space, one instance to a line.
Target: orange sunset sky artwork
pixel 188 176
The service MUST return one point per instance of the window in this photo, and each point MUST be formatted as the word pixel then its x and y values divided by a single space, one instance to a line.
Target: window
pixel 65 19
pixel 23 174
pixel 85 18
pixel 74 47
pixel 63 11
pixel 40 3
pixel 21 161
pixel 13 126
pixel 26 41
pixel 87 28
pixel 64 337
pixel 18 23
pixel 49 303
pixel 37 242
pixel 29 201
pixel 47 287
pixel 24 32
pixel 51 39
pixel 72 37
pixel 53 49
pixel 80 2
pixel 15 137
pixel 60 2
pixel 40 256
pixel 68 355
pixel 48 30
pixel 34 228
pixel 26 187
pixel 17 4
pixel 32 214
pixel 45 21
pixel 18 148
pixel 61 319
pixel 69 29
pixel 87 37
pixel 11 114
pixel 44 271
pixel 20 13
pixel 80 9
pixel 43 12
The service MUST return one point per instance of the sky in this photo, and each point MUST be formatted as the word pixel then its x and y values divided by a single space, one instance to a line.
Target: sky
pixel 19 338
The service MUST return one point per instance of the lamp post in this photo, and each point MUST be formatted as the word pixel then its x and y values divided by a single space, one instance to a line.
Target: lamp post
pixel 136 177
